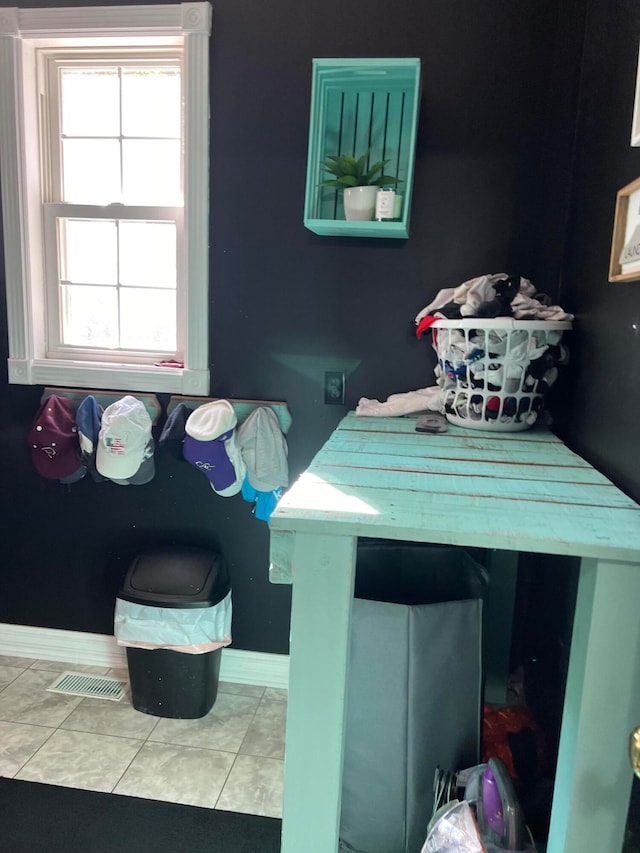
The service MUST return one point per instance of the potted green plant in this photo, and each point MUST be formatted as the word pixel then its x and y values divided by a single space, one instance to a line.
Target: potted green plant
pixel 359 180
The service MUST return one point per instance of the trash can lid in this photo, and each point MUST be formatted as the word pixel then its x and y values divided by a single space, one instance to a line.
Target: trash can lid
pixel 176 577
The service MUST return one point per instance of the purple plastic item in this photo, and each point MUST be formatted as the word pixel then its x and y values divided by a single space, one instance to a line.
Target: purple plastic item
pixel 492 802
pixel 499 815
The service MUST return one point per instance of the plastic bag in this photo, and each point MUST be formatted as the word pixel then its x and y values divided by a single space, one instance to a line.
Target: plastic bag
pixel 487 819
pixel 193 630
pixel 453 830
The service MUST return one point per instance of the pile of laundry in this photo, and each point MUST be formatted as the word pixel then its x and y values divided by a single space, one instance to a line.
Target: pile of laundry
pixel 497 295
pixel 497 374
pixel 486 374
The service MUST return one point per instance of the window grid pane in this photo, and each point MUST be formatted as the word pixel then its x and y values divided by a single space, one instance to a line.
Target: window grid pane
pixel 118 284
pixel 92 172
pixel 148 319
pixel 89 316
pixel 147 254
pixel 100 165
pixel 90 102
pixel 89 251
pixel 151 103
pixel 150 171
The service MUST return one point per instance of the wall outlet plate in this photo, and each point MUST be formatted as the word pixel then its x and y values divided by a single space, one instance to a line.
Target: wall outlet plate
pixel 334 388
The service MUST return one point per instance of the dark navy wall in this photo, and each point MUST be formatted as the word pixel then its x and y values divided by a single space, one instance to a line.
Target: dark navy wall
pixel 498 107
pixel 603 409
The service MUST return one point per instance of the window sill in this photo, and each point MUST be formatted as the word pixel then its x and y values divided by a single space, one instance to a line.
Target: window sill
pixel 126 377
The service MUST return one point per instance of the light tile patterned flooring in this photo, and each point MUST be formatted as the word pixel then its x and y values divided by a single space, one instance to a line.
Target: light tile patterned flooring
pixel 232 759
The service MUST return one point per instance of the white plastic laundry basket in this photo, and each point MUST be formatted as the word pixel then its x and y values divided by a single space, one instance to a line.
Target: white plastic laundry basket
pixel 494 372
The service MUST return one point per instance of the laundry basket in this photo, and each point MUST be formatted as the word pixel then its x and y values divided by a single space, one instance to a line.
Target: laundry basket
pixel 494 372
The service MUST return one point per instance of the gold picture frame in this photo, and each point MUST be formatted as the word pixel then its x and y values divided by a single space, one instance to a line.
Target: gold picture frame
pixel 635 124
pixel 626 235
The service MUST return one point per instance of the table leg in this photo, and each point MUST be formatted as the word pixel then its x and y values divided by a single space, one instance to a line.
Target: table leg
pixel 323 581
pixel 602 705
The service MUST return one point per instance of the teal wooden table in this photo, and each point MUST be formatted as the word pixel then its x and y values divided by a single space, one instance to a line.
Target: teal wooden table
pixel 377 477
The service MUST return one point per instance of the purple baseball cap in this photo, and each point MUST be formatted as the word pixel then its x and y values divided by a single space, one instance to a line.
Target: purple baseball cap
pixel 210 446
pixel 212 459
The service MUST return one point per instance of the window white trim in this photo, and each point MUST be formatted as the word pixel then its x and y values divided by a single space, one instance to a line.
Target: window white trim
pixel 21 30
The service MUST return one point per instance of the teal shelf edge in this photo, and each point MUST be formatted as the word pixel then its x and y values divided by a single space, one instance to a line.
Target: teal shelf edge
pixel 242 408
pixel 342 228
pixel 106 398
pixel 356 63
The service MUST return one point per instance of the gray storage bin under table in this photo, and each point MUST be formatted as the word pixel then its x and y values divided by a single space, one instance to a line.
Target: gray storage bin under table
pixel 164 682
pixel 414 689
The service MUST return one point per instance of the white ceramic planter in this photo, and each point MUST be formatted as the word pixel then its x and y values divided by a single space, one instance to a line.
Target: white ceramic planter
pixel 360 203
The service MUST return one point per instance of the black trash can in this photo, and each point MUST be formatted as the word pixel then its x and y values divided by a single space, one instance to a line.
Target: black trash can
pixel 165 682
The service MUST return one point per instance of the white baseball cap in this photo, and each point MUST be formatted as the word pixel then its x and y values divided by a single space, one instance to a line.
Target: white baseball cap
pixel 124 435
pixel 211 420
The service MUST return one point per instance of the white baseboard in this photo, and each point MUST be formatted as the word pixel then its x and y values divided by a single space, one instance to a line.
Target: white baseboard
pixel 237 666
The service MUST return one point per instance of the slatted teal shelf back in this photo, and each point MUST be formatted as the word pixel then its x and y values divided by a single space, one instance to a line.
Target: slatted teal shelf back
pixel 360 105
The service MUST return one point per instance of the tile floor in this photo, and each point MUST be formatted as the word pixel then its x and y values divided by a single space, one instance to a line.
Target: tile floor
pixel 231 759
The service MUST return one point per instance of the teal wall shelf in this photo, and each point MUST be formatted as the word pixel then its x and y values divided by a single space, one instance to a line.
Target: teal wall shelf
pixel 360 105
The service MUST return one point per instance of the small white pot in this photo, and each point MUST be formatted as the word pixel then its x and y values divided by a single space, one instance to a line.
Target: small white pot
pixel 360 203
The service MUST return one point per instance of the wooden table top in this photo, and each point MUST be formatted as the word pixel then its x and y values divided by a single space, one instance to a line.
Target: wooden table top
pixel 524 491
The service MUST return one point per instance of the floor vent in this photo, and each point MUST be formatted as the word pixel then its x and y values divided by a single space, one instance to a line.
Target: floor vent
pixel 95 686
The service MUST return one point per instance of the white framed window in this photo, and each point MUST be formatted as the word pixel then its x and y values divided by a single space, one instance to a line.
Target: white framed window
pixel 104 115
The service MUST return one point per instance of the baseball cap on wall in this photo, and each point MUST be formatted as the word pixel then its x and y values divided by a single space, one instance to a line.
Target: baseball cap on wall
pixel 209 445
pixel 123 438
pixel 173 432
pixel 264 450
pixel 88 419
pixel 53 439
pixel 147 470
pixel 145 473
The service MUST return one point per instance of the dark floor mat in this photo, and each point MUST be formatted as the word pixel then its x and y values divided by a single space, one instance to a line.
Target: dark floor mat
pixel 39 818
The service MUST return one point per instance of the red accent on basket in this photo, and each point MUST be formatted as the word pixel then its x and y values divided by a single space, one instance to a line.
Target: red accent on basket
pixel 424 324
